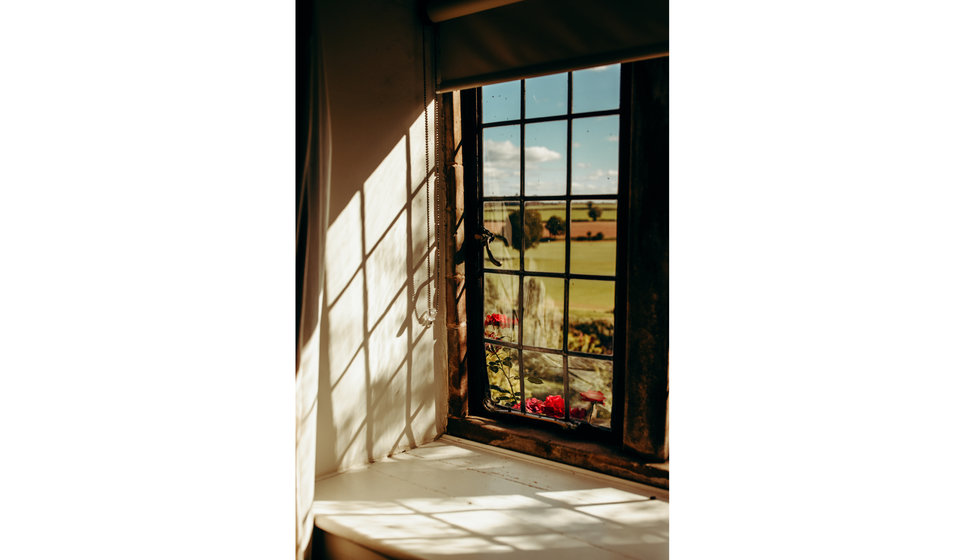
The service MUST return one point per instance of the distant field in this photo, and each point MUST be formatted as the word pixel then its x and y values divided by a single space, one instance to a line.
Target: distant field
pixel 578 229
pixel 493 212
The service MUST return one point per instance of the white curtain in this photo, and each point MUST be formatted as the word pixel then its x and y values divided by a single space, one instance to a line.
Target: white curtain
pixel 313 194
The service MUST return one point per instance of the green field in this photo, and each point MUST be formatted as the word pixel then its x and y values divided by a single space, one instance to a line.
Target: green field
pixel 495 212
pixel 587 257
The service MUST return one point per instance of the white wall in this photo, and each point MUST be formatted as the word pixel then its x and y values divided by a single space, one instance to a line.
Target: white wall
pixel 382 381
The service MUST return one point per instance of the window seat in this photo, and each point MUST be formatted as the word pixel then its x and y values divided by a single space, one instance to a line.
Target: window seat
pixel 456 499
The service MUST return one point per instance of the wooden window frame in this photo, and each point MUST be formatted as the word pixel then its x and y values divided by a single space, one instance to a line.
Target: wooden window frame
pixel 636 447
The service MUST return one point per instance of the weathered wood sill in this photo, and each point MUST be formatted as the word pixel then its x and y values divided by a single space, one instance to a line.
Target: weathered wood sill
pixel 598 457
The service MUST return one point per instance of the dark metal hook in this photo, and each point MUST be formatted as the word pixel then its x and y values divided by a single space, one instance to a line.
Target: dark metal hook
pixel 485 237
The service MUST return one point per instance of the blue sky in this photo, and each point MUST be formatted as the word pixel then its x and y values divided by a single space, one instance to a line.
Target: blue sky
pixel 595 140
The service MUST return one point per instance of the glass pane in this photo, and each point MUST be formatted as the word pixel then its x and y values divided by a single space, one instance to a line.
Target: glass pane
pixel 590 316
pixel 502 219
pixel 502 161
pixel 590 390
pixel 544 385
pixel 545 146
pixel 503 375
pixel 547 218
pixel 595 89
pixel 502 102
pixel 546 96
pixel 544 299
pixel 500 306
pixel 595 155
pixel 593 241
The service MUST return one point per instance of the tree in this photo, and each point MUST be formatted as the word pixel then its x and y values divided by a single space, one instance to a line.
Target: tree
pixel 594 211
pixel 555 226
pixel 533 228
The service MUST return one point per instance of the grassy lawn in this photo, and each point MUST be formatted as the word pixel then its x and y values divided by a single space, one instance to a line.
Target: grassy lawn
pixel 588 257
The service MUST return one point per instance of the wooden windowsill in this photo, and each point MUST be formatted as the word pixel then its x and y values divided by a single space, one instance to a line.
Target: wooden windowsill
pixel 458 499
pixel 542 443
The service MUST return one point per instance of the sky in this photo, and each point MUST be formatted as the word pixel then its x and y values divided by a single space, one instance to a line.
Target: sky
pixel 595 140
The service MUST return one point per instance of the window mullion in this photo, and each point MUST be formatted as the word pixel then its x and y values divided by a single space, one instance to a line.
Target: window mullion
pixel 568 237
pixel 520 276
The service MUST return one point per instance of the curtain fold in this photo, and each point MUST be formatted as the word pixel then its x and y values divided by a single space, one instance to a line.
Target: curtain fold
pixel 313 142
pixel 537 37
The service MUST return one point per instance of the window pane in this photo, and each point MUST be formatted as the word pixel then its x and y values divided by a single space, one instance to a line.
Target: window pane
pixel 593 241
pixel 503 375
pixel 502 219
pixel 502 161
pixel 595 89
pixel 548 253
pixel 502 102
pixel 595 155
pixel 546 96
pixel 590 316
pixel 500 306
pixel 544 385
pixel 545 147
pixel 590 390
pixel 544 299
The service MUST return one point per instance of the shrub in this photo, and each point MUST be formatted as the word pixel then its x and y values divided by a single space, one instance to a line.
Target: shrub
pixel 594 211
pixel 594 336
pixel 533 228
pixel 555 226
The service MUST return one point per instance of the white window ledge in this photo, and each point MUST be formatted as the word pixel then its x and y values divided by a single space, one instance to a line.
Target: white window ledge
pixel 456 499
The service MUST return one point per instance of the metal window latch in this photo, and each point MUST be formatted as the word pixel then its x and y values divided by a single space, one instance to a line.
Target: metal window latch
pixel 485 237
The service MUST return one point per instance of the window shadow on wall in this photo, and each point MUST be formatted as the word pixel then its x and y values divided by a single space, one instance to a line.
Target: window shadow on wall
pixel 380 388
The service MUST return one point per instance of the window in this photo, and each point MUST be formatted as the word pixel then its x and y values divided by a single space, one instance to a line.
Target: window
pixel 549 191
pixel 561 267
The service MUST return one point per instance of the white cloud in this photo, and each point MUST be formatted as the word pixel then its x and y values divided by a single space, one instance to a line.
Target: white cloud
pixel 507 152
pixel 583 165
pixel 502 171
pixel 600 68
pixel 501 151
pixel 540 153
pixel 613 138
pixel 576 144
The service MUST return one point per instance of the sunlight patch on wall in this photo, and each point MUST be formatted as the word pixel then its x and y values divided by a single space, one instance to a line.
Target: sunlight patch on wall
pixel 388 412
pixel 345 321
pixel 385 268
pixel 423 397
pixel 420 235
pixel 341 434
pixel 388 343
pixel 416 135
pixel 384 194
pixel 344 250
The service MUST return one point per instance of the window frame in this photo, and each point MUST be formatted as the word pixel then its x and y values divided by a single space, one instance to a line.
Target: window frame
pixel 479 382
pixel 620 452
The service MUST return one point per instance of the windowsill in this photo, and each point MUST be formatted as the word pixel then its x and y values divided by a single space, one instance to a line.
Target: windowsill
pixel 542 443
pixel 458 499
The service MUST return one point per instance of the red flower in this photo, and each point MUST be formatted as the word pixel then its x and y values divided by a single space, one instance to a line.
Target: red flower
pixel 578 413
pixel 593 396
pixel 553 406
pixel 495 319
pixel 532 405
pixel 498 320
